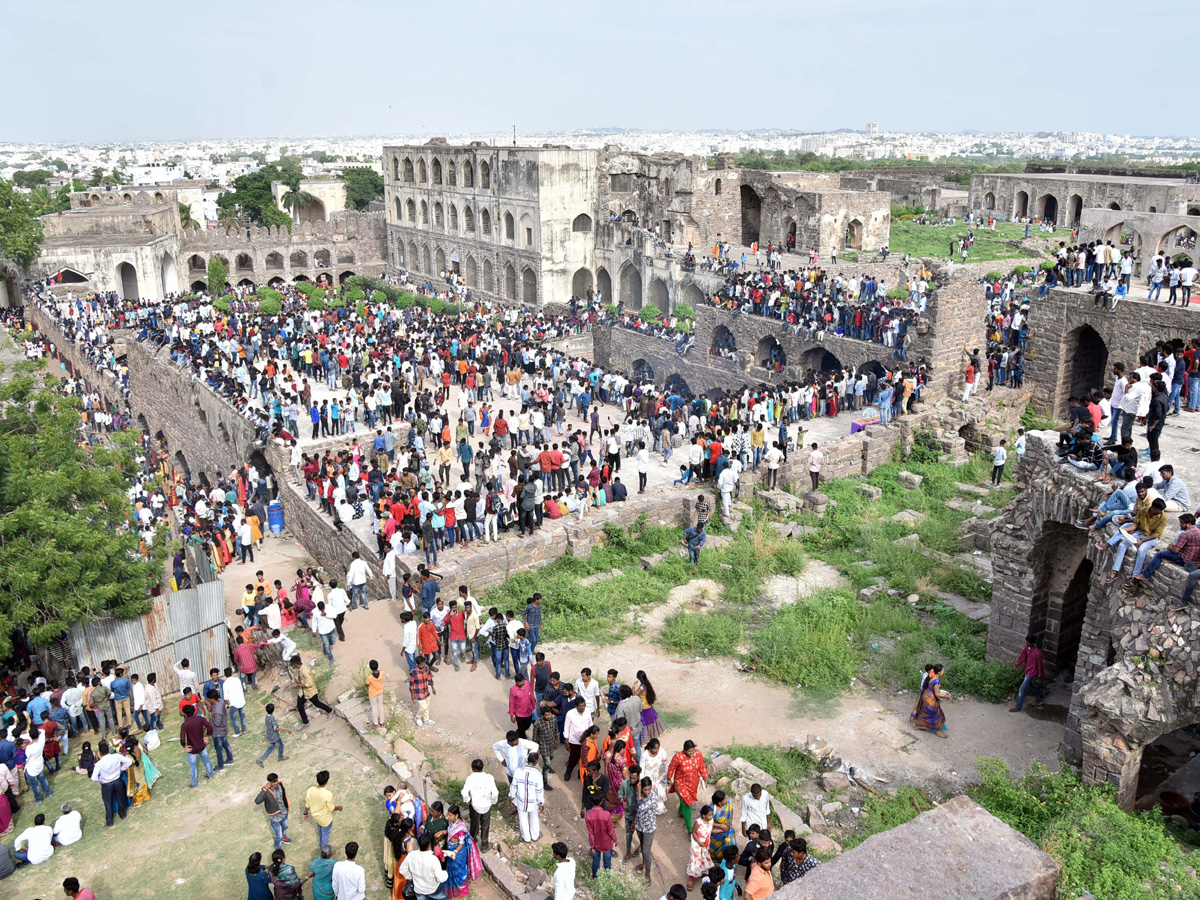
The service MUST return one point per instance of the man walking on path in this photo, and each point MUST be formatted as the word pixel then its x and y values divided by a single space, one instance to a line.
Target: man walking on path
pixel 318 803
pixel 420 686
pixel 1031 659
pixel 274 800
pixel 480 791
pixel 528 798
pixel 193 737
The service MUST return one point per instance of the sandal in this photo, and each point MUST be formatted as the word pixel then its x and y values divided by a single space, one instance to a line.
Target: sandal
pixel 1112 576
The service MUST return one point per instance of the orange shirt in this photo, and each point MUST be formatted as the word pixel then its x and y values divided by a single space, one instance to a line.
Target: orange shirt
pixel 374 685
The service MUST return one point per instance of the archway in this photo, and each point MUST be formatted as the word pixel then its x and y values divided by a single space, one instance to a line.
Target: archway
pixel 325 279
pixel 181 465
pixel 243 263
pixel 770 354
pixel 275 261
pixel 581 281
pixel 277 282
pixel 751 215
pixel 489 280
pixel 196 263
pixel 1061 581
pixel 659 295
pixel 604 285
pixel 1074 209
pixel 1179 240
pixel 675 384
pixel 169 274
pixel 142 425
pixel 345 275
pixel 723 342
pixel 314 212
pixel 322 258
pixel 246 283
pixel 299 260
pixel 693 295
pixel 989 201
pixel 199 286
pixel 439 261
pixel 510 282
pixel 128 279
pixel 1047 209
pixel 1021 205
pixel 820 360
pixel 789 235
pixel 471 272
pixel 642 370
pixel 1124 238
pixel 854 234
pixel 631 287
pixel 413 258
pixel 1114 205
pixel 873 367
pixel 1087 361
pixel 528 287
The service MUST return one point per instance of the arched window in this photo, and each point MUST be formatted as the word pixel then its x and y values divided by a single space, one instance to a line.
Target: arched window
pixel 528 287
pixel 451 175
pixel 510 227
pixel 453 217
pixel 717 187
pixel 489 283
pixel 422 172
pixel 510 282
pixel 485 222
pixel 424 213
pixel 437 216
pixel 526 231
pixel 468 219
pixel 408 170
pixel 399 210
pixel 395 168
pixel 468 174
pixel 437 171
pixel 485 176
pixel 582 223
pixel 411 209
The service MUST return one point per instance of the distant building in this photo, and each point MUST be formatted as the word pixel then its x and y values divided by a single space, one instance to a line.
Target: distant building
pixel 872 129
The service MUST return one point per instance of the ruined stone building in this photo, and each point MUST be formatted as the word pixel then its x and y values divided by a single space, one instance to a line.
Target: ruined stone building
pixel 542 224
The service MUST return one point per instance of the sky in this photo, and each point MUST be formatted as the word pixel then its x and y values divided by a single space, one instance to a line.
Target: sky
pixel 268 68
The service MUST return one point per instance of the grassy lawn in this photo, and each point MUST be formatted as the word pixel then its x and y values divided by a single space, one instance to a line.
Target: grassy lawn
pixel 197 841
pixel 934 240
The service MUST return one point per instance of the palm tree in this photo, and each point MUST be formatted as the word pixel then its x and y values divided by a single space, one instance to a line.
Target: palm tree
pixel 39 199
pixel 185 217
pixel 294 200
pixel 227 220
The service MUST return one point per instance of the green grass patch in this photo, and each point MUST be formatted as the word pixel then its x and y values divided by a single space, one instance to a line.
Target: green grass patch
pixel 716 633
pixel 934 240
pixel 1102 849
pixel 790 768
pixel 886 812
pixel 672 719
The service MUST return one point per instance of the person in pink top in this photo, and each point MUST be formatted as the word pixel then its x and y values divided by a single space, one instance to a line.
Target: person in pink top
pixel 74 892
pixel 1031 659
pixel 520 705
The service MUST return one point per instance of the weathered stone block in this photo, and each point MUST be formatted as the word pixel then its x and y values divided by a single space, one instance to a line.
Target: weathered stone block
pixel 910 481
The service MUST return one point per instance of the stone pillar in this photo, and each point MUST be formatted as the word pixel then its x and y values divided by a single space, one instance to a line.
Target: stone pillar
pixel 1108 758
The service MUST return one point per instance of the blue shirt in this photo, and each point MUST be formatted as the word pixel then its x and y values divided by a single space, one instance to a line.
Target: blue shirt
pixel 429 592
pixel 36 708
pixel 121 688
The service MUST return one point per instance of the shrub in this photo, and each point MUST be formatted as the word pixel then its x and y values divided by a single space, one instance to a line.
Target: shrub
pixel 270 307
pixel 318 294
pixel 306 287
pixel 613 884
pixel 379 298
pixel 926 448
pixel 1049 265
pixel 702 634
pixel 897 294
pixel 1021 271
pixel 361 309
pixel 222 304
pixel 685 311
pixel 316 303
pixel 269 294
pixel 993 276
pixel 337 303
pixel 354 295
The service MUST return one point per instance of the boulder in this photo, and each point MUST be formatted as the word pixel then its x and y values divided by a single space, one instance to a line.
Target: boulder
pixel 834 781
pixel 823 846
pixel 972 489
pixel 789 818
pixel 815 500
pixel 783 529
pixel 909 518
pixel 815 820
pixel 780 502
pixel 753 774
pixel 720 764
pixel 828 809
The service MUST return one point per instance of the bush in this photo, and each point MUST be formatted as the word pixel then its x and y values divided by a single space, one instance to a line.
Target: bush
pixel 270 307
pixel 926 448
pixel 702 634
pixel 306 287
pixel 993 276
pixel 270 294
pixel 613 884
pixel 316 303
pixel 1048 265
pixel 897 294
pixel 361 309
pixel 337 303
pixel 222 304
pixel 379 298
pixel 354 295
pixel 318 294
pixel 1021 271
pixel 685 311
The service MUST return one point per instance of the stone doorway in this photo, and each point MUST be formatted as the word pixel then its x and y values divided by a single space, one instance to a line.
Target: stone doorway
pixel 1062 579
pixel 1087 361
pixel 751 215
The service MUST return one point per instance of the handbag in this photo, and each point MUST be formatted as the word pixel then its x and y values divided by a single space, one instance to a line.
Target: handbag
pixel 151 740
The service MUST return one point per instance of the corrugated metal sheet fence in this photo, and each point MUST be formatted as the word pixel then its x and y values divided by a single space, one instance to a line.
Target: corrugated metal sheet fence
pixel 182 624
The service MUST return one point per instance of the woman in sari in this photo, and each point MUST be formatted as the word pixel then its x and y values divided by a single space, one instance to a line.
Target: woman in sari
pixel 221 545
pixel 256 534
pixel 654 767
pixel 287 882
pixel 142 774
pixel 463 863
pixel 615 767
pixel 400 840
pixel 651 726
pixel 6 824
pixel 699 857
pixel 722 830
pixel 619 731
pixel 685 772
pixel 928 715
pixel 590 750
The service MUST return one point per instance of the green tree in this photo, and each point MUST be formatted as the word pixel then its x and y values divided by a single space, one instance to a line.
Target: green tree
pixel 69 555
pixel 59 164
pixel 251 193
pixel 20 231
pixel 273 215
pixel 218 274
pixel 294 200
pixel 185 217
pixel 97 177
pixel 31 178
pixel 40 200
pixel 362 186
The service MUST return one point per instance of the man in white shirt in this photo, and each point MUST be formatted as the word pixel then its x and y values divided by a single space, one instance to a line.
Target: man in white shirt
pixel 564 872
pixel 336 605
pixel 348 878
pixel 513 751
pixel 357 576
pixel 38 840
pixel 422 869
pixel 575 725
pixel 756 808
pixel 234 692
pixel 1118 396
pixel 526 792
pixel 1134 404
pixel 588 688
pixel 389 570
pixel 480 791
pixel 69 827
pixel 35 766
pixel 726 484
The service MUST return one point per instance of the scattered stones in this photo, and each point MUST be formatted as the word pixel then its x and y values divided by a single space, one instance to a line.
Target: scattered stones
pixel 910 481
pixel 870 492
pixel 753 773
pixel 972 489
pixel 605 576
pixel 870 593
pixel 789 818
pixel 783 529
pixel 909 518
pixel 828 809
pixel 834 781
pixel 816 821
pixel 780 502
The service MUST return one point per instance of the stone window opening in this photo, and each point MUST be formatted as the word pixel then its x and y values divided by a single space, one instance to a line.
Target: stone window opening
pixel 468 219
pixel 468 174
pixel 453 217
pixel 451 175
pixel 485 176
pixel 422 172
pixel 438 220
pixel 408 171
pixel 510 227
pixel 582 224
pixel 717 188
pixel 437 171
pixel 485 222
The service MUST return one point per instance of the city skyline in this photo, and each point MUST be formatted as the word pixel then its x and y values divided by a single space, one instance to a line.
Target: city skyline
pixel 409 69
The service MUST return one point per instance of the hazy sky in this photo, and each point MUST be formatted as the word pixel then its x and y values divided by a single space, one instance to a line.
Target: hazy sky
pixel 133 70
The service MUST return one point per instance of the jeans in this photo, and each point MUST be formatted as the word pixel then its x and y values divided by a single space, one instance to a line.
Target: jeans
pixel 224 751
pixel 323 838
pixel 358 594
pixel 1163 556
pixel 140 719
pixel 499 656
pixel 596 857
pixel 535 635
pixel 156 720
pixel 1029 682
pixel 39 781
pixel 327 641
pixel 1193 392
pixel 1116 421
pixel 458 652
pixel 1173 397
pixel 1121 544
pixel 105 719
pixel 237 714
pixel 208 767
pixel 278 829
pixel 439 895
pixel 274 745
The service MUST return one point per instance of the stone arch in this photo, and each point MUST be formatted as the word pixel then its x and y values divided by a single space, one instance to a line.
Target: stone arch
pixel 485 176
pixel 717 187
pixel 1114 205
pixel 426 264
pixel 1181 239
pixel 198 285
pixel 345 257
pixel 424 212
pixel 127 278
pixel 314 212
pixel 510 227
pixel 68 275
pixel 246 283
pixel 468 219
pixel 299 278
pixel 582 224
pixel 181 465
pixel 410 209
pixel 468 173
pixel 169 274
pixel 159 198
pixel 510 282
pixel 1021 205
pixel 439 220
pixel 1124 237
pixel 395 168
pixel 676 384
pixel 642 370
pixel 408 170
pixel 604 285
pixel 437 171
pixel 243 262
pixel 413 258
pixel 873 366
pixel 580 282
pixel 631 287
pixel 422 172
pixel 789 231
pixel 723 341
pixel 274 260
pixel 1193 211
pixel 1074 210
pixel 485 222
pixel 659 295
pixel 325 279
pixel 489 280
pixel 770 353
pixel 439 261
pixel 854 234
pixel 399 206
pixel 693 294
pixel 142 425
pixel 820 360
pixel 471 272
pixel 453 217
pixel 299 259
pixel 1047 209
pixel 451 174
pixel 277 282
pixel 989 200
pixel 751 215
pixel 342 278
pixel 529 287
pixel 196 263
pixel 1086 357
